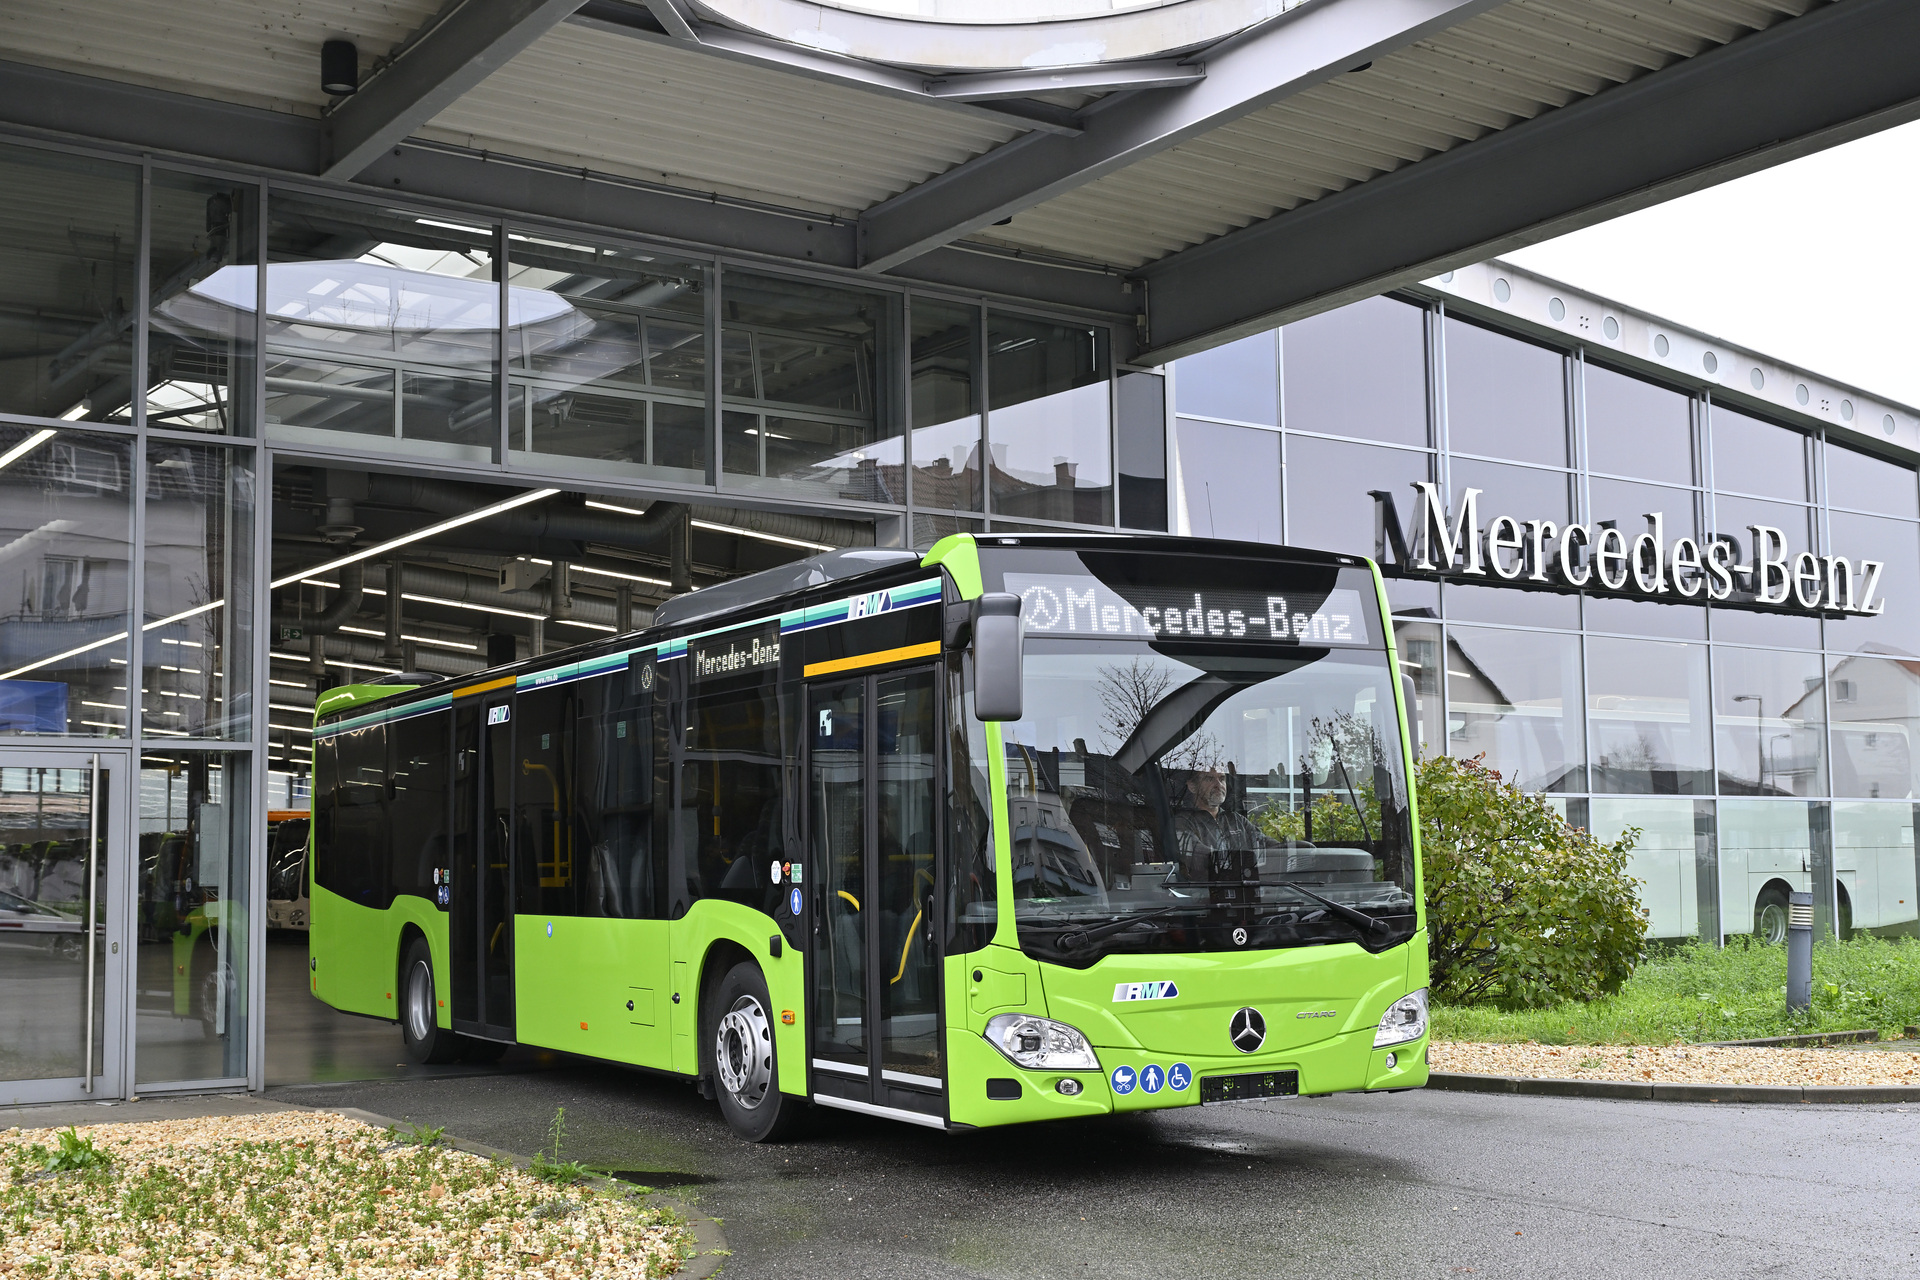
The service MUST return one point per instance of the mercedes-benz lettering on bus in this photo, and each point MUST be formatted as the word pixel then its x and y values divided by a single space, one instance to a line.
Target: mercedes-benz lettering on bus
pixel 1020 829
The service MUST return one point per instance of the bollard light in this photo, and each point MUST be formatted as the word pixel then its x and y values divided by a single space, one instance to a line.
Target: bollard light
pixel 1799 950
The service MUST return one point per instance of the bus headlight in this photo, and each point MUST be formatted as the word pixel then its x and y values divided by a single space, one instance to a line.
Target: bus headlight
pixel 1405 1019
pixel 1040 1043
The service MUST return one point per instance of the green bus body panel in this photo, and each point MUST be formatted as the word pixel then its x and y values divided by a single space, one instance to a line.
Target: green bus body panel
pixel 575 975
pixel 356 952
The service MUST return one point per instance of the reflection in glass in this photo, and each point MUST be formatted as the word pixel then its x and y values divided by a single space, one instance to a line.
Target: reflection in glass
pixel 801 369
pixel 609 374
pixel 1508 607
pixel 1751 456
pixel 68 264
pixel 1876 728
pixel 1873 858
pixel 381 325
pixel 1227 481
pixel 1648 716
pixel 906 800
pixel 1635 428
pixel 1866 483
pixel 1505 398
pixel 1524 493
pixel 1239 380
pixel 1768 850
pixel 46 818
pixel 1667 860
pixel 200 352
pixel 1678 620
pixel 945 388
pixel 1327 486
pixel 195 829
pixel 1513 698
pixel 1359 370
pixel 197 651
pixel 1770 722
pixel 1628 504
pixel 66 523
pixel 1142 432
pixel 1048 422
pixel 1421 663
pixel 1896 544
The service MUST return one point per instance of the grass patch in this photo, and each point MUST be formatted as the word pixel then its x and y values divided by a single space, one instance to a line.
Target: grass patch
pixel 311 1195
pixel 1702 993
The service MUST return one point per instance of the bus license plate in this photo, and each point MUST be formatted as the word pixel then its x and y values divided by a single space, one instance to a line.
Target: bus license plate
pixel 1254 1084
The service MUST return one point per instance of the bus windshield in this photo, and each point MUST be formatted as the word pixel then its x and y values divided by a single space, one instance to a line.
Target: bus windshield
pixel 1190 788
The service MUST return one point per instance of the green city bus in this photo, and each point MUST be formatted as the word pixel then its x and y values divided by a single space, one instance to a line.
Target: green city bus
pixel 1023 828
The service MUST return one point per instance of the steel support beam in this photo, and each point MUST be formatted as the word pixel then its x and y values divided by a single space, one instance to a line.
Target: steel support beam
pixel 1297 50
pixel 1836 74
pixel 1096 78
pixel 453 56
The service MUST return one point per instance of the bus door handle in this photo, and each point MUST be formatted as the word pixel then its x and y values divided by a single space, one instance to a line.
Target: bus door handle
pixel 928 917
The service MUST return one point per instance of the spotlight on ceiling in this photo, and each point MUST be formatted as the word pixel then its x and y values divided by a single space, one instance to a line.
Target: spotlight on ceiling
pixel 339 67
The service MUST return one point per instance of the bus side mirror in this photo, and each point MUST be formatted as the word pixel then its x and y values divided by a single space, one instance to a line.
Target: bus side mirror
pixel 999 637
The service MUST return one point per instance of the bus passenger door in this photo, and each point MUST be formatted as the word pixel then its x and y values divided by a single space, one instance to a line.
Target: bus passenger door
pixel 480 922
pixel 873 839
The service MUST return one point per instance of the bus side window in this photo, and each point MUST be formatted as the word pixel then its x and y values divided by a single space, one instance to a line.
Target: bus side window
pixel 417 746
pixel 731 820
pixel 618 816
pixel 972 906
pixel 353 861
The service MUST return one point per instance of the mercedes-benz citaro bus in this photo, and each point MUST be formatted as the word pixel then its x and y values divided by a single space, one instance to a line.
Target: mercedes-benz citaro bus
pixel 1020 829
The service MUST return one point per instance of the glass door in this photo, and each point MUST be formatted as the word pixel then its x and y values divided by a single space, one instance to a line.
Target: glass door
pixel 60 874
pixel 874 837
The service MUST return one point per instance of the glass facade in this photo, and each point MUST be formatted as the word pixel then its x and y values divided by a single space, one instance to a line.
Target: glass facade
pixel 1758 753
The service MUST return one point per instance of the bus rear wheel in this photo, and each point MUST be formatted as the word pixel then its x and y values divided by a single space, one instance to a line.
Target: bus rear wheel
pixel 426 1040
pixel 746 1064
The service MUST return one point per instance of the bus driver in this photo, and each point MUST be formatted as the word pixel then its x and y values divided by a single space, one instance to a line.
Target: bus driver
pixel 1207 832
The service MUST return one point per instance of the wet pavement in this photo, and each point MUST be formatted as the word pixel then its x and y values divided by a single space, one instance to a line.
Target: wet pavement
pixel 1422 1184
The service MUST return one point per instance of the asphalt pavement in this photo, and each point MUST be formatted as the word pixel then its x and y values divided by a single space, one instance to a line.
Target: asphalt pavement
pixel 1424 1184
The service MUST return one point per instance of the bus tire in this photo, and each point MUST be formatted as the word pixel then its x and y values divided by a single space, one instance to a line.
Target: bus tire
pixel 426 1040
pixel 746 1064
pixel 1770 916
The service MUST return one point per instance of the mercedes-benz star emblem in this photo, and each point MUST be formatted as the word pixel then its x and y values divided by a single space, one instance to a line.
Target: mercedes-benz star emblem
pixel 1239 937
pixel 1248 1030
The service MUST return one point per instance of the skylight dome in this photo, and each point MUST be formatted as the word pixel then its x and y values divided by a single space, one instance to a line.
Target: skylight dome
pixel 992 35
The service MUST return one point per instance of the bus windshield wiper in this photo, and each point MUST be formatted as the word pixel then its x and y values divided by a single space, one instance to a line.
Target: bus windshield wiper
pixel 1074 941
pixel 1353 916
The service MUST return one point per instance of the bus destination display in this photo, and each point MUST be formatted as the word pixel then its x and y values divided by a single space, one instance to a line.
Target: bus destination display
pixel 1055 604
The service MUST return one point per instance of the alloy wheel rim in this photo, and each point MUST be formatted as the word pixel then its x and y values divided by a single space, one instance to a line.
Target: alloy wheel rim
pixel 743 1052
pixel 419 1001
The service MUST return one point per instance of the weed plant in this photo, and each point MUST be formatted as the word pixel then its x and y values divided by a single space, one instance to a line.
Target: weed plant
pixel 1702 993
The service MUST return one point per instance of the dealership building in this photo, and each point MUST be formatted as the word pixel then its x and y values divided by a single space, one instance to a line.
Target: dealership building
pixel 300 387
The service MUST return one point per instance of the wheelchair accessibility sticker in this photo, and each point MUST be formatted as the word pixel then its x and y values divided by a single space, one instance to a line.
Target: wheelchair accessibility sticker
pixel 1123 1080
pixel 1179 1076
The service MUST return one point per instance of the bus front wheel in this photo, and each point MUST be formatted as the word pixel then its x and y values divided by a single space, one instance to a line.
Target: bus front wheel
pixel 745 1061
pixel 426 1040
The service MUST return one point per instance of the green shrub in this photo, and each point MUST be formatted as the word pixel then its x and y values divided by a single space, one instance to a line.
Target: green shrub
pixel 1522 909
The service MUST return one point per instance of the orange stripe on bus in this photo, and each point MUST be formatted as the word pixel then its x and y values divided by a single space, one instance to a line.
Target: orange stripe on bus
pixel 927 650
pixel 489 686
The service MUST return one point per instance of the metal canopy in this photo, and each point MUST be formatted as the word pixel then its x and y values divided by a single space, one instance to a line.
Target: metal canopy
pixel 1341 148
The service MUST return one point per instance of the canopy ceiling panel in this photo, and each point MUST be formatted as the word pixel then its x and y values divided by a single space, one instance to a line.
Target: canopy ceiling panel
pixel 651 111
pixel 1508 65
pixel 241 51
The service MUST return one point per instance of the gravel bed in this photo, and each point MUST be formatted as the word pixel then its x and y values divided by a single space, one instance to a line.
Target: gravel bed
pixel 305 1195
pixel 1680 1063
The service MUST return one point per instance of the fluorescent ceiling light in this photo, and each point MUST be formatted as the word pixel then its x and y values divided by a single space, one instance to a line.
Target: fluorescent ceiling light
pixel 721 528
pixel 26 447
pixel 432 530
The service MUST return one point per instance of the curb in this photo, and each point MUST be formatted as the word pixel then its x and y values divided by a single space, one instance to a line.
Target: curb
pixel 1664 1091
pixel 710 1242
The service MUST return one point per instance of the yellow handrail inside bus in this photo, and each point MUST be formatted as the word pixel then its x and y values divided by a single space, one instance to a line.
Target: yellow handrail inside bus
pixel 912 930
pixel 558 872
pixel 853 901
